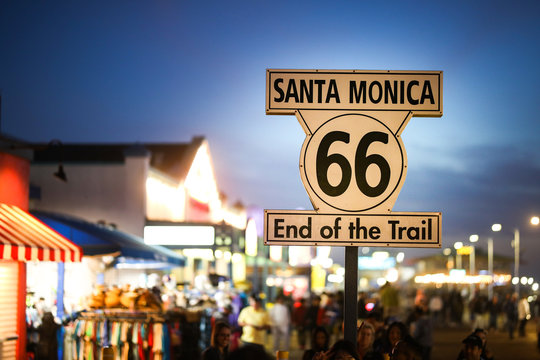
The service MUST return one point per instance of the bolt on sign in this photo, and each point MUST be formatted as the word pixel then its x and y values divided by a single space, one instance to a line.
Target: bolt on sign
pixel 353 162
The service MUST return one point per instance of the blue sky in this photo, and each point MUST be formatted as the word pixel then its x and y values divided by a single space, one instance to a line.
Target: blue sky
pixel 127 71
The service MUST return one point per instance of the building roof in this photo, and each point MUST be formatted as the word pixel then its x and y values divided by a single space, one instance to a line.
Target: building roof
pixel 173 159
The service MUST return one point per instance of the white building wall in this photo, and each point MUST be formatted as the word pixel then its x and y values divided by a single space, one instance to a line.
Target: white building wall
pixel 114 193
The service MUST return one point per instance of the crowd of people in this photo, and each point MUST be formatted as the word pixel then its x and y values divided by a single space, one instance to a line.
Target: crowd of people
pixel 375 340
pixel 385 331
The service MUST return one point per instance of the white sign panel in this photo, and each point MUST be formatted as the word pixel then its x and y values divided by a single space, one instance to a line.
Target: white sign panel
pixel 399 229
pixel 354 90
pixel 353 162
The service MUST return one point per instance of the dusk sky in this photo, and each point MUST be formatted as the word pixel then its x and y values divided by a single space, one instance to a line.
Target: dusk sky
pixel 165 71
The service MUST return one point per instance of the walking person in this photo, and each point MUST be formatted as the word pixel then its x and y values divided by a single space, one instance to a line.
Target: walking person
pixel 312 315
pixel 524 314
pixel 281 322
pixel 423 332
pixel 254 320
pixel 510 309
pixel 299 323
pixel 494 308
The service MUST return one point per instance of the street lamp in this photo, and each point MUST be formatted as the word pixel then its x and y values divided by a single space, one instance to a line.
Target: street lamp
pixel 494 228
pixel 535 220
pixel 472 260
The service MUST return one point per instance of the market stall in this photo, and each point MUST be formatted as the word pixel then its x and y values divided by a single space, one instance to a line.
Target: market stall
pixel 23 238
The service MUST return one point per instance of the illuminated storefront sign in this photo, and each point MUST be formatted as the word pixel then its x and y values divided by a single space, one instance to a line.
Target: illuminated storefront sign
pixel 373 263
pixel 251 238
pixel 179 235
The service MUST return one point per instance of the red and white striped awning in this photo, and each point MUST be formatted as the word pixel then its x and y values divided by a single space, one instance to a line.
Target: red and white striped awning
pixel 25 238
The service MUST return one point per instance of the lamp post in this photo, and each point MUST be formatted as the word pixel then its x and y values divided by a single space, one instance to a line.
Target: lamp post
pixel 458 245
pixel 516 257
pixel 494 228
pixel 472 261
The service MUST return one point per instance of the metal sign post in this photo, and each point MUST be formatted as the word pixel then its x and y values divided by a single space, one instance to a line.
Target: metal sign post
pixel 351 293
pixel 353 162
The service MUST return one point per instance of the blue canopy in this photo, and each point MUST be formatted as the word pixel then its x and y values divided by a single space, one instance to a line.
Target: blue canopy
pixel 97 239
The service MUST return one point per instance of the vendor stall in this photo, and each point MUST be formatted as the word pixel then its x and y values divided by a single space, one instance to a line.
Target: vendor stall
pixel 23 238
pixel 112 257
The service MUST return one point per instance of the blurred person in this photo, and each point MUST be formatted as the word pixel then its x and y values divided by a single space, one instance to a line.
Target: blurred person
pixel 254 320
pixel 478 307
pixel 389 300
pixel 406 349
pixel 375 319
pixel 47 347
pixel 341 350
pixel 364 342
pixel 281 321
pixel 486 352
pixel 436 307
pixel 494 308
pixel 524 314
pixel 510 309
pixel 312 315
pixel 361 302
pixel 422 331
pixel 299 322
pixel 250 352
pixel 420 299
pixel 329 315
pixel 472 348
pixel 320 340
pixel 396 332
pixel 219 343
pixel 456 306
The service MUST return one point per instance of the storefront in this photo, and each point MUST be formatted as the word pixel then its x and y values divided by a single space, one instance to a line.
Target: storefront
pixel 23 239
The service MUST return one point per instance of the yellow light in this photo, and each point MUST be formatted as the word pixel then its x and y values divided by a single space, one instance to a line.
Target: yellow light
pixel 205 254
pixel 276 253
pixel 165 198
pixel 496 227
pixel 236 219
pixel 237 257
pixel 299 255
pixel 473 238
pixel 392 275
pixel 458 245
pixel 323 252
pixel 447 251
pixel 465 250
pixel 251 238
pixel 535 220
pixel 200 180
pixel 380 255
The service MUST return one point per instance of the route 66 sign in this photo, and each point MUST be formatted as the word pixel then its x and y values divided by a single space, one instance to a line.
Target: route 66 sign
pixel 353 162
pixel 353 159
